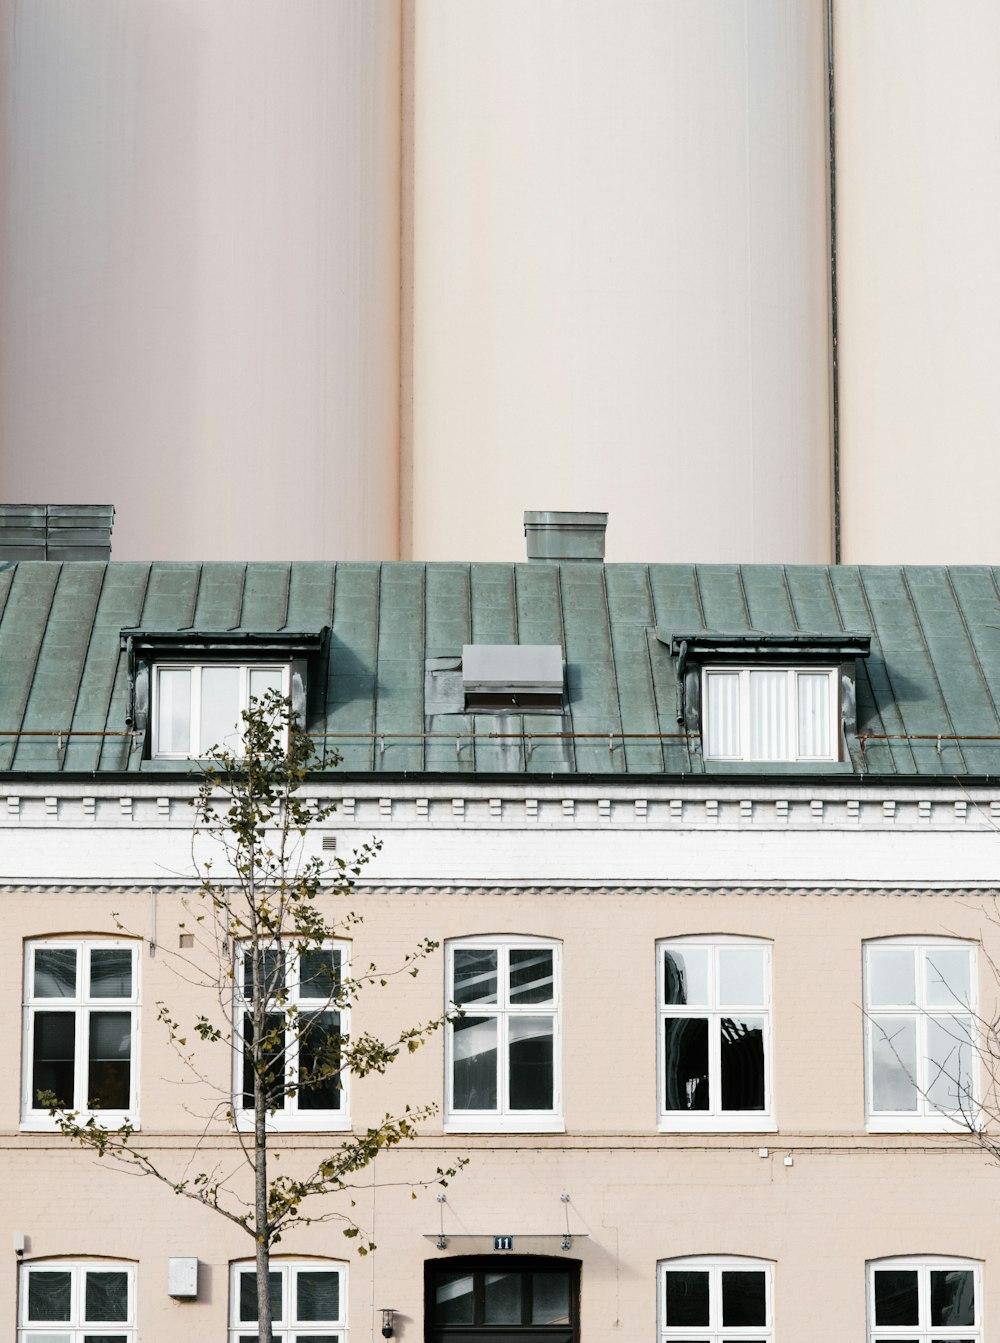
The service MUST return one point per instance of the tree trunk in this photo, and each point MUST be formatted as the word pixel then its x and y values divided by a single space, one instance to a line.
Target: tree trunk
pixel 262 1236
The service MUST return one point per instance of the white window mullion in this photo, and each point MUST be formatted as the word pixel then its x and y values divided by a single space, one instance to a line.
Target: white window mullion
pixel 924 1295
pixel 81 1078
pixel 503 1030
pixel 195 712
pixel 714 1033
pixel 714 1064
pixel 242 704
pixel 83 1015
pixel 923 1063
pixel 743 721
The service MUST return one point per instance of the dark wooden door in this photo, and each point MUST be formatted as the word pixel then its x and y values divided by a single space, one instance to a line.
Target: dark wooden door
pixel 502 1298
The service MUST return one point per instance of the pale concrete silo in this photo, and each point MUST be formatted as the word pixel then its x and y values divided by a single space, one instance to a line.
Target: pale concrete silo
pixel 918 198
pixel 199 282
pixel 620 276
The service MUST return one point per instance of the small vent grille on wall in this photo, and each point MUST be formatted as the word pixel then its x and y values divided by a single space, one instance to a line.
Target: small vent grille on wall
pixel 329 843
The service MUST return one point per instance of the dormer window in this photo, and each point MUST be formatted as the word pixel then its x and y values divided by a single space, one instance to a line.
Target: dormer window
pixel 770 713
pixel 188 689
pixel 762 697
pixel 197 707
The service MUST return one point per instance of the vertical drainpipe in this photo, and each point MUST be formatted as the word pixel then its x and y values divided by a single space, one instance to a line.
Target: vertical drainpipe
pixel 834 365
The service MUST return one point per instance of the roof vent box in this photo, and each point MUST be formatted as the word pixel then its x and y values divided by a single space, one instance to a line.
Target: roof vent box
pixel 565 536
pixel 512 676
pixel 56 531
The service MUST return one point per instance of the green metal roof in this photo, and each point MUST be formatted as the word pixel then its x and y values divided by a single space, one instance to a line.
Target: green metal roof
pixel 927 694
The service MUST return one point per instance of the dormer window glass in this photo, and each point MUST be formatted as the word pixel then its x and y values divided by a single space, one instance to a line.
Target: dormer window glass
pixel 770 713
pixel 198 706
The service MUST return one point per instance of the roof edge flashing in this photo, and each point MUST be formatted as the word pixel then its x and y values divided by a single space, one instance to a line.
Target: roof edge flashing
pixel 791 646
pixel 216 641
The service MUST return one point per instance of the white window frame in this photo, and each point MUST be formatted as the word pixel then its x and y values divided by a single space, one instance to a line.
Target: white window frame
pixel 291 1118
pixel 81 1006
pixel 77 1329
pixel 715 1265
pixel 924 1332
pixel 714 1119
pixel 503 1119
pixel 927 1118
pixel 287 1330
pixel 196 668
pixel 792 723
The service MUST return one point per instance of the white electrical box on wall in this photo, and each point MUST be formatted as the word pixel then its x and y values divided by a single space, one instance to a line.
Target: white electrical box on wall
pixel 182 1277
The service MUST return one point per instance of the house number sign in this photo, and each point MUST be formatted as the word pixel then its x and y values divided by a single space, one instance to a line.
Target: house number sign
pixel 503 1242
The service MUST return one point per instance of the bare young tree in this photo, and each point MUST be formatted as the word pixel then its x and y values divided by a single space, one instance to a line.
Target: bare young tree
pixel 263 963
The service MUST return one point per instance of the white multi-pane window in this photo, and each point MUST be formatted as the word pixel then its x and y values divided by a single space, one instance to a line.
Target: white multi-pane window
pixel 504 1046
pixel 720 1299
pixel 86 1302
pixel 80 1030
pixel 770 713
pixel 308 1302
pixel 920 1054
pixel 198 705
pixel 929 1299
pixel 304 1027
pixel 714 1031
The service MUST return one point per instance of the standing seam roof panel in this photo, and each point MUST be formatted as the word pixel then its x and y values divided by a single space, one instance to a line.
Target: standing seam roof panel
pixel 914 684
pixel 494 621
pixel 21 632
pixel 447 627
pixel 310 596
pixel 399 704
pixel 265 597
pixel 220 596
pixel 813 604
pixel 350 690
pixel 539 621
pixel 630 613
pixel 978 600
pixel 722 596
pixel 964 692
pixel 171 596
pixel 877 710
pixel 767 597
pixel 61 655
pixel 591 678
pixel 119 607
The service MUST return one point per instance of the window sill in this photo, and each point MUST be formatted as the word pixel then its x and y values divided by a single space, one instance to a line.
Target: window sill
pixel 325 1123
pixel 731 1123
pixel 109 1120
pixel 493 1123
pixel 917 1124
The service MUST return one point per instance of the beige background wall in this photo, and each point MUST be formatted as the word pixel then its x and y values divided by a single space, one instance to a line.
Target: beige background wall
pixel 620 280
pixel 918 121
pixel 611 218
pixel 199 284
pixel 614 225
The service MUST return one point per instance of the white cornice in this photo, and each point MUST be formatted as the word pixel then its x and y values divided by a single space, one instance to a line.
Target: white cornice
pixel 783 805
pixel 418 890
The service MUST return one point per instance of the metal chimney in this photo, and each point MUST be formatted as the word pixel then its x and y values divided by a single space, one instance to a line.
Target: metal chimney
pixel 565 536
pixel 56 531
